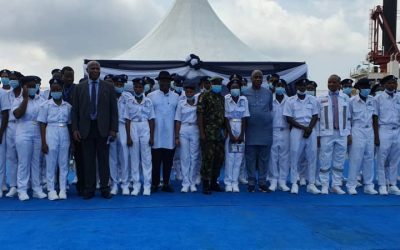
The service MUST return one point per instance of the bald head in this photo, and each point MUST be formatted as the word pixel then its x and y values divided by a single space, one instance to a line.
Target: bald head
pixel 256 78
pixel 93 70
pixel 334 83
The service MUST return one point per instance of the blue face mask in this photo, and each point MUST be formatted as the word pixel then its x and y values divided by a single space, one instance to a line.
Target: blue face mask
pixel 14 84
pixel 32 92
pixel 244 88
pixel 280 90
pixel 146 88
pixel 378 92
pixel 5 81
pixel 56 95
pixel 178 89
pixel 310 92
pixel 216 89
pixel 347 90
pixel 365 92
pixel 138 95
pixel 119 90
pixel 235 92
pixel 37 86
pixel 301 92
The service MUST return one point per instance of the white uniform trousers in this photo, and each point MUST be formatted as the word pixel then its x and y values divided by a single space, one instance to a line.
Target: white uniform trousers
pixel 119 158
pixel 388 151
pixel 189 153
pixel 177 165
pixel 332 156
pixel 3 151
pixel 361 156
pixel 279 163
pixel 58 141
pixel 233 161
pixel 298 145
pixel 140 154
pixel 11 154
pixel 28 144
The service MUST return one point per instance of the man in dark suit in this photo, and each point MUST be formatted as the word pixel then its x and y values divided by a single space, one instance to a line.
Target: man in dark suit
pixel 94 124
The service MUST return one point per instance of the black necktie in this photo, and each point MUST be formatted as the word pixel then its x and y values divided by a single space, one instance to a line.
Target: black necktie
pixel 93 99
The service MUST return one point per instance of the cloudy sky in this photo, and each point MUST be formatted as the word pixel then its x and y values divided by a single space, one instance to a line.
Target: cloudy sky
pixel 37 36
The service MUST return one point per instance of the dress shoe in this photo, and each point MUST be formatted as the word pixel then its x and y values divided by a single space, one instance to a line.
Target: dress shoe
pixel 206 187
pixel 251 188
pixel 62 195
pixel 106 194
pixel 154 189
pixel 215 187
pixel 88 195
pixel 167 189
pixel 264 189
pixel 53 195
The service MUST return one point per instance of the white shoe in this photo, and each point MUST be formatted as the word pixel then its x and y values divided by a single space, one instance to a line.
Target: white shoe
pixel 359 184
pixel 52 196
pixel 185 189
pixel 12 192
pixel 303 181
pixel 193 188
pixel 352 191
pixel 393 189
pixel 114 190
pixel 243 180
pixel 228 188
pixel 125 191
pixel 311 188
pixel 39 195
pixel 337 190
pixel 370 190
pixel 283 187
pixel 198 180
pixel 383 190
pixel 23 196
pixel 146 191
pixel 62 195
pixel 272 187
pixel 295 189
pixel 135 192
pixel 235 189
pixel 324 190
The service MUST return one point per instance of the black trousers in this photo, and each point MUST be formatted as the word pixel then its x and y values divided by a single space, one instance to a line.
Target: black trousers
pixel 95 149
pixel 80 185
pixel 166 157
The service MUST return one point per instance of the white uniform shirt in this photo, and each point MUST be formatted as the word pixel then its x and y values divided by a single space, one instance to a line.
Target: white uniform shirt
pixel 27 125
pixel 279 121
pixel 139 112
pixel 388 109
pixel 301 110
pixel 11 98
pixel 51 113
pixel 237 110
pixel 361 112
pixel 4 101
pixel 122 103
pixel 186 113
pixel 164 109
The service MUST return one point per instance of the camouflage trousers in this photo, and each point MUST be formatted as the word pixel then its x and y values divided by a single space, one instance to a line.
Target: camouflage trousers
pixel 213 155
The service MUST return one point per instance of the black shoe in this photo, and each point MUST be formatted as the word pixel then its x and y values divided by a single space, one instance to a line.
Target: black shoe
pixel 88 195
pixel 206 187
pixel 215 187
pixel 106 195
pixel 264 189
pixel 154 189
pixel 251 188
pixel 167 189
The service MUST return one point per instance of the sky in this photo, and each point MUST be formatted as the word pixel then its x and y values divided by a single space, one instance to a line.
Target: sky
pixel 37 36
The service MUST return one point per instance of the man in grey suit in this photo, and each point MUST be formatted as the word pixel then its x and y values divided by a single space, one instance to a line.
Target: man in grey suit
pixel 94 124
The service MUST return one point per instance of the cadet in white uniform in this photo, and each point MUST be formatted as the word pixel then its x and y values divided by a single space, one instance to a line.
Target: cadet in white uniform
pixel 236 112
pixel 388 116
pixel 27 138
pixel 334 130
pixel 301 112
pixel 5 106
pixel 55 117
pixel 279 163
pixel 362 108
pixel 187 138
pixel 177 87
pixel 119 152
pixel 139 127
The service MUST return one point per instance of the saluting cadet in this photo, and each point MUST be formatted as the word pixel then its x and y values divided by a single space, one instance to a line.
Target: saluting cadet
pixel 5 106
pixel 119 153
pixel 187 138
pixel 11 152
pixel 301 112
pixel 334 132
pixel 388 118
pixel 139 116
pixel 347 86
pixel 211 121
pixel 236 112
pixel 279 163
pixel 28 141
pixel 362 108
pixel 55 117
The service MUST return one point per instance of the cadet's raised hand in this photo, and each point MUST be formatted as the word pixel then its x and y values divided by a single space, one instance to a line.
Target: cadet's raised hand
pixel 25 94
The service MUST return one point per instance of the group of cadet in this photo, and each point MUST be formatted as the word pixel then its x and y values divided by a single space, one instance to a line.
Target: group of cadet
pixel 129 135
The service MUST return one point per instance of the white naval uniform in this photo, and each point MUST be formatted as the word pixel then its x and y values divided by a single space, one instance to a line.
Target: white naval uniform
pixel 57 118
pixel 234 112
pixel 189 141
pixel 333 140
pixel 361 152
pixel 4 106
pixel 279 161
pixel 388 111
pixel 119 152
pixel 28 145
pixel 302 112
pixel 140 152
pixel 177 165
pixel 12 157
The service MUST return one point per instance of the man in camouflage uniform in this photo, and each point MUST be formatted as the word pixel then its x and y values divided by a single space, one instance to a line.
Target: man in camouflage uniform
pixel 210 117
